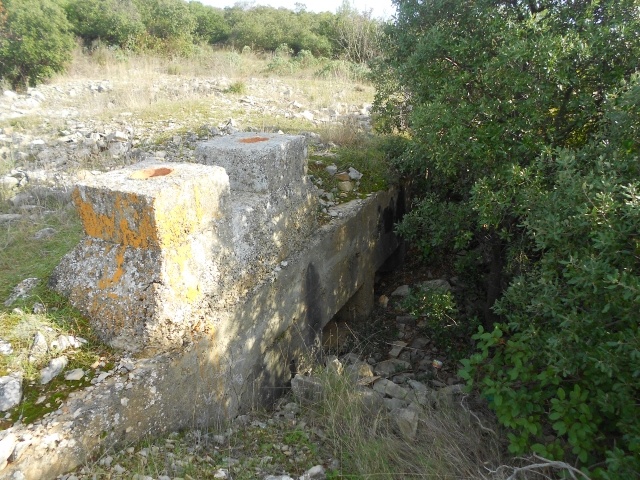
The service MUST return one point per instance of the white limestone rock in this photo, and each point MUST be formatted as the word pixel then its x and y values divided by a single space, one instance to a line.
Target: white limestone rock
pixel 22 290
pixel 401 291
pixel 74 375
pixel 7 444
pixel 354 174
pixel 407 422
pixel 10 392
pixel 5 348
pixel 39 346
pixel 55 367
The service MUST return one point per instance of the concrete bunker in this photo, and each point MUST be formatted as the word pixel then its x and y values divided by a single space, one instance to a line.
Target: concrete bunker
pixel 218 276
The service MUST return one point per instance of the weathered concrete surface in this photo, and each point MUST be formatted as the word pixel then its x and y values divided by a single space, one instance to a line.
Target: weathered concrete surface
pixel 237 358
pixel 158 242
pixel 265 162
pixel 168 244
pixel 274 206
pixel 223 284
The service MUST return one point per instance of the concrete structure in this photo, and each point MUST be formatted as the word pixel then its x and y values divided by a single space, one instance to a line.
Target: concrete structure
pixel 221 286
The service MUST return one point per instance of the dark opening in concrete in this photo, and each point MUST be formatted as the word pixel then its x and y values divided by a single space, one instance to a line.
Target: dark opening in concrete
pixel 150 173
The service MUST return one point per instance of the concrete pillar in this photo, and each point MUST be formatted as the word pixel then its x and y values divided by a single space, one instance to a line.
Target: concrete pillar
pixel 157 235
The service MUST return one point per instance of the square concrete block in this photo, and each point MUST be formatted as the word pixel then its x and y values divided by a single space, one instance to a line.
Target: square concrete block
pixel 159 240
pixel 152 205
pixel 257 162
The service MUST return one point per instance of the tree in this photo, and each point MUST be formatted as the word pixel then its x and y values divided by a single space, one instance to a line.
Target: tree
pixel 37 41
pixel 358 33
pixel 491 85
pixel 115 22
pixel 211 27
pixel 566 358
pixel 167 19
pixel 523 144
pixel 267 28
pixel 3 22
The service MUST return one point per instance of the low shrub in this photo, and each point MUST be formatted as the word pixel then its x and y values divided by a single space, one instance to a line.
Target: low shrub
pixel 35 41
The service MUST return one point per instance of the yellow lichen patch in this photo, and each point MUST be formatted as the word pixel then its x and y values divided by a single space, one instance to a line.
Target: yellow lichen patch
pixel 179 274
pixel 95 224
pixel 109 281
pixel 175 223
pixel 143 233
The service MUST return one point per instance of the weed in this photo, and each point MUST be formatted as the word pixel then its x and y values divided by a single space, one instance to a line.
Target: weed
pixel 440 320
pixel 237 88
pixel 363 435
pixel 174 69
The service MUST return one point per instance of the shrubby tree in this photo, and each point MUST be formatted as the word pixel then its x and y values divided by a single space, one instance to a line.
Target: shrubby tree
pixel 523 142
pixel 211 27
pixel 357 33
pixel 167 19
pixel 566 359
pixel 3 21
pixel 114 22
pixel 36 42
pixel 266 28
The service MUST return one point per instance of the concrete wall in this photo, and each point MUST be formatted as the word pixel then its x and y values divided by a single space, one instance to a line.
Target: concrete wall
pixel 245 328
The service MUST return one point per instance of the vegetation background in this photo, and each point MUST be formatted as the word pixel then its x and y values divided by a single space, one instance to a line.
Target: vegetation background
pixel 517 122
pixel 37 36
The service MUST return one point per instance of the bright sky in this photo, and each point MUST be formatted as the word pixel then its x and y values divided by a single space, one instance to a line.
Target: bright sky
pixel 381 8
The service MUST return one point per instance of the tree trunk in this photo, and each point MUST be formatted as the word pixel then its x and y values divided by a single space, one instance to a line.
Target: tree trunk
pixel 494 281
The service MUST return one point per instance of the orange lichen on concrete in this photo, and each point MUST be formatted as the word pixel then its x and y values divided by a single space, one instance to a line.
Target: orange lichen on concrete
pixel 115 227
pixel 143 233
pixel 253 140
pixel 95 225
pixel 106 281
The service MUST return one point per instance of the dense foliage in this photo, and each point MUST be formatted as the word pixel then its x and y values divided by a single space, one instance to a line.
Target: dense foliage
pixel 176 28
pixel 568 353
pixel 115 22
pixel 36 41
pixel 524 144
pixel 266 28
pixel 211 27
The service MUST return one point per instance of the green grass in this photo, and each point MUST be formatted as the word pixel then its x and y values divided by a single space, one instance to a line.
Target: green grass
pixel 365 154
pixel 237 88
pixel 22 256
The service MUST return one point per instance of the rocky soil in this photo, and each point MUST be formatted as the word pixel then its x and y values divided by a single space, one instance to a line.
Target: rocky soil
pixel 50 140
pixel 57 140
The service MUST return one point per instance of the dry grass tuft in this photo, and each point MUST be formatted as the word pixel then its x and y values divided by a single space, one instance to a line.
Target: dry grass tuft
pixel 449 443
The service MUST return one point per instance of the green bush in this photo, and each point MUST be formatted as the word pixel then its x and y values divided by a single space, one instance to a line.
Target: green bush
pixel 238 88
pixel 281 60
pixel 567 357
pixel 356 72
pixel 266 28
pixel 167 19
pixel 437 313
pixel 36 42
pixel 433 224
pixel 233 59
pixel 523 117
pixel 210 25
pixel 114 22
